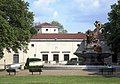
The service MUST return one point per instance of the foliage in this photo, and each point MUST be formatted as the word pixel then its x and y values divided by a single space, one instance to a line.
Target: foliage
pixel 31 60
pixel 33 30
pixel 60 27
pixel 32 67
pixel 16 22
pixel 111 29
pixel 1 54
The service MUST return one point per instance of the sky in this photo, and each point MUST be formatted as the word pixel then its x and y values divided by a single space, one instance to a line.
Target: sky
pixel 74 15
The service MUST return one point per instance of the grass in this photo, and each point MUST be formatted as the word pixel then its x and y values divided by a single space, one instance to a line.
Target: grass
pixel 35 79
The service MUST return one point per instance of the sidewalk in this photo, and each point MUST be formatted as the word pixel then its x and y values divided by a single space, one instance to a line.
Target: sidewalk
pixel 53 73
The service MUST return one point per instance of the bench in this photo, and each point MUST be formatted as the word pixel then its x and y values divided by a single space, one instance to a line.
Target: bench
pixel 11 70
pixel 108 70
pixel 35 69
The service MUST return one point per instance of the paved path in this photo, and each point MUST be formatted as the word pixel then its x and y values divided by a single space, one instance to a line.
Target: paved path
pixel 53 73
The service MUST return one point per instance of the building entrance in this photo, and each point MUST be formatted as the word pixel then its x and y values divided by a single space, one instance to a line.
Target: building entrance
pixel 45 58
pixel 56 58
pixel 15 58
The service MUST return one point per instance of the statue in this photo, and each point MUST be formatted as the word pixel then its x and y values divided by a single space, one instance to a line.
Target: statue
pixel 97 24
pixel 94 52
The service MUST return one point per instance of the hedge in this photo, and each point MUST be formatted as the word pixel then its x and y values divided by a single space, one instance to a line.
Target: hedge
pixel 30 60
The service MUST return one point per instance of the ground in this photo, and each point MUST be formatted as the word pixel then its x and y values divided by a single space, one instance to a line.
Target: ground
pixel 53 73
pixel 58 77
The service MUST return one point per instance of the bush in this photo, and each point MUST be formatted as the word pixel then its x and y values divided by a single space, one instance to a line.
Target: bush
pixel 34 59
pixel 30 60
pixel 35 67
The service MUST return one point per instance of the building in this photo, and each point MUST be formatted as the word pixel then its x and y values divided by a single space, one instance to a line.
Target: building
pixel 48 45
pixel 46 28
pixel 54 47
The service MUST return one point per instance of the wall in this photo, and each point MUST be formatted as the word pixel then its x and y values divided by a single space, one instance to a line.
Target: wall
pixel 50 30
pixel 41 47
pixel 8 58
pixel 52 47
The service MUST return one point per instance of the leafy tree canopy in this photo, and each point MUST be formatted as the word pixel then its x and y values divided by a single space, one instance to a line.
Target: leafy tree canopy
pixel 16 24
pixel 111 29
pixel 60 27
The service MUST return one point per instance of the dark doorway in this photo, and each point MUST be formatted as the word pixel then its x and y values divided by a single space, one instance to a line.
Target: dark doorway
pixel 15 58
pixel 66 57
pixel 45 58
pixel 56 57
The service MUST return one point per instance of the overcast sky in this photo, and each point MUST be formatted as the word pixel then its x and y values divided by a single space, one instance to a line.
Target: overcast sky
pixel 74 15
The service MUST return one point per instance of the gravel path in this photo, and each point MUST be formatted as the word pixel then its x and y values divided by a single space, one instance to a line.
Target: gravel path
pixel 53 73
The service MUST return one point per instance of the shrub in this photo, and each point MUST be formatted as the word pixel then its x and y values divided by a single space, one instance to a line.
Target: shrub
pixel 35 67
pixel 30 60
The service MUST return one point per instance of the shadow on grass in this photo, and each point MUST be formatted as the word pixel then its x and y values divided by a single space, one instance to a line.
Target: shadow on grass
pixel 105 74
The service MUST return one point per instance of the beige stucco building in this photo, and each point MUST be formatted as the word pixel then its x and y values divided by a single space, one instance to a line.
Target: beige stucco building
pixel 48 45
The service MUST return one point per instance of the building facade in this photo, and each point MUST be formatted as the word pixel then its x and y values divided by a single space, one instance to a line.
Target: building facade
pixel 54 48
pixel 47 45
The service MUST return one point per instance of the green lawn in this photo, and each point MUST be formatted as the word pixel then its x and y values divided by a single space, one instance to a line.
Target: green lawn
pixel 58 80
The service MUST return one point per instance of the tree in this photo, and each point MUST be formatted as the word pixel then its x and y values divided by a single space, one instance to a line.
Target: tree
pixel 111 29
pixel 60 27
pixel 16 25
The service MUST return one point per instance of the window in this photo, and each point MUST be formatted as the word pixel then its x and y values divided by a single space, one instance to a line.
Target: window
pixel 78 45
pixel 15 58
pixel 54 29
pixel 46 29
pixel 34 55
pixel 32 45
pixel 38 29
pixel 66 57
pixel 56 57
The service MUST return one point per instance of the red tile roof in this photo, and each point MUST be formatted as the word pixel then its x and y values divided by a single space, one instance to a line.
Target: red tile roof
pixel 45 25
pixel 59 36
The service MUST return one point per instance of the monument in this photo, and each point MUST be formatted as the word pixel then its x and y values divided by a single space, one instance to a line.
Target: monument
pixel 94 49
